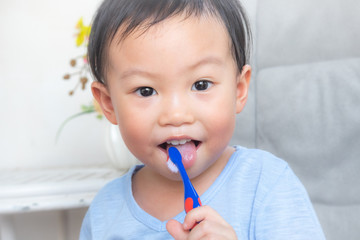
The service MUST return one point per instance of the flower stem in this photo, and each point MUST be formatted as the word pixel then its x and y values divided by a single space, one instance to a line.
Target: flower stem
pixel 87 111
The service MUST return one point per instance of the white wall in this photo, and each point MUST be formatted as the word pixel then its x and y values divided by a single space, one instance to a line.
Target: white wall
pixel 36 44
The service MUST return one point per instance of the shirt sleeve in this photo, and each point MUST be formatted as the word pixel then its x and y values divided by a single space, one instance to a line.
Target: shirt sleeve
pixel 85 231
pixel 287 212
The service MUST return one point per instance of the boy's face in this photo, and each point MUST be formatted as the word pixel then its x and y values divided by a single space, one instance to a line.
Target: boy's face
pixel 176 81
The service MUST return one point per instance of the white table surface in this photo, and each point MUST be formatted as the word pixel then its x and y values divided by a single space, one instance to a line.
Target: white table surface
pixel 51 189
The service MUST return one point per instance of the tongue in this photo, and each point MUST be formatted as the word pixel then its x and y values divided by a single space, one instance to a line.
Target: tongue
pixel 188 153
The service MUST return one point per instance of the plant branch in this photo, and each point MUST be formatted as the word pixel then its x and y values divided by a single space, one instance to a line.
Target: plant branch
pixel 87 111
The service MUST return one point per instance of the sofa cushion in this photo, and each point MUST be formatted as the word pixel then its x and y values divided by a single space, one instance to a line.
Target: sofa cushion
pixel 309 115
pixel 295 32
pixel 339 221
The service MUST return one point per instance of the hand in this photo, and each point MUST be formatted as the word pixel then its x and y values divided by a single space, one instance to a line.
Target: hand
pixel 210 226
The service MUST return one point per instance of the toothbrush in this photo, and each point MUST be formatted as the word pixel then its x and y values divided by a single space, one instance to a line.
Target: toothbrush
pixel 192 199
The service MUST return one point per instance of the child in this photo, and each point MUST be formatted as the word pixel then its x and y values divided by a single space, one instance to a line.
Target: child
pixel 175 73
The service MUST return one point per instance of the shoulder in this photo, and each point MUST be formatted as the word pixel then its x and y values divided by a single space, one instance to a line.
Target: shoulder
pixel 259 164
pixel 271 173
pixel 112 197
pixel 110 202
pixel 257 175
pixel 113 192
pixel 281 206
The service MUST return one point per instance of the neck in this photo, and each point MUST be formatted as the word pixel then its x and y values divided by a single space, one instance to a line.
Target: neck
pixel 163 198
pixel 157 195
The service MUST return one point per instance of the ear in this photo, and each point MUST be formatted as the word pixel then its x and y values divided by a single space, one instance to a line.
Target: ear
pixel 102 96
pixel 242 86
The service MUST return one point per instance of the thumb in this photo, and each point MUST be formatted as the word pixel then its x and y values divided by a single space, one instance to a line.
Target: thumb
pixel 176 230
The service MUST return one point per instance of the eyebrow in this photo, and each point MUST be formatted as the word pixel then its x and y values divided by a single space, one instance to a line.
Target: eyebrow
pixel 136 71
pixel 205 61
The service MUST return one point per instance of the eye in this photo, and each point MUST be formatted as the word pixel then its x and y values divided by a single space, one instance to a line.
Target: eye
pixel 201 85
pixel 145 91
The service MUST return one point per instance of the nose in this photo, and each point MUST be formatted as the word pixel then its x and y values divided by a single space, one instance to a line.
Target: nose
pixel 176 111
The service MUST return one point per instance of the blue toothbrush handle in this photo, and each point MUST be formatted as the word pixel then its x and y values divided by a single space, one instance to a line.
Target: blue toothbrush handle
pixel 191 198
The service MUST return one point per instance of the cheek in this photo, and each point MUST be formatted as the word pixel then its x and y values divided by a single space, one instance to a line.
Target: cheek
pixel 132 126
pixel 222 126
pixel 221 118
pixel 129 132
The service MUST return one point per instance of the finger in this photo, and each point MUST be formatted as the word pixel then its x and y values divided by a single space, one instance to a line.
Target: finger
pixel 193 217
pixel 199 214
pixel 202 230
pixel 208 229
pixel 210 224
pixel 176 230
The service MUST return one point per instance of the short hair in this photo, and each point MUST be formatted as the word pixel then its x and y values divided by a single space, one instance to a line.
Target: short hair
pixel 131 14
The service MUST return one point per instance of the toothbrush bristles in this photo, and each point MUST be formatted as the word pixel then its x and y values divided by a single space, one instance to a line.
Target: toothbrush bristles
pixel 173 168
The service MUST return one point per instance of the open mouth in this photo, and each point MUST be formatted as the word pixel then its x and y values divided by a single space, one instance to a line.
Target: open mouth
pixel 187 148
pixel 174 143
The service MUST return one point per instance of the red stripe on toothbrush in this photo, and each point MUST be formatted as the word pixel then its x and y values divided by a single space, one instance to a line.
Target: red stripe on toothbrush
pixel 189 204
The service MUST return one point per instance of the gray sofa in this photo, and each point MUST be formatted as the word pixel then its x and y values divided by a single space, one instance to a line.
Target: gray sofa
pixel 304 102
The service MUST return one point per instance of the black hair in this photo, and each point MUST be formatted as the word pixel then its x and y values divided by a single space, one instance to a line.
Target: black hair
pixel 131 14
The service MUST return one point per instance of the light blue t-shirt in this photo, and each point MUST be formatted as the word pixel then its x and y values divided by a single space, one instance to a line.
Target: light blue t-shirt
pixel 256 193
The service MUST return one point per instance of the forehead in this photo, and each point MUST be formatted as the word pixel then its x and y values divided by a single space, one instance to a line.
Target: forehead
pixel 183 38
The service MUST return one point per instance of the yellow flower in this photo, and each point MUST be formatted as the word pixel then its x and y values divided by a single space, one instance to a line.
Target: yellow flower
pixel 84 32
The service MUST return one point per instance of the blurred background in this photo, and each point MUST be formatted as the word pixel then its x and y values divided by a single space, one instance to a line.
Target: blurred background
pixel 37 41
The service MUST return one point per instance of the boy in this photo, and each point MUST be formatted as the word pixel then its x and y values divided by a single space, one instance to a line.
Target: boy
pixel 174 73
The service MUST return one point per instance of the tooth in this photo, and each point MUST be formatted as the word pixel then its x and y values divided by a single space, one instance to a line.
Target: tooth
pixel 173 142
pixel 177 142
